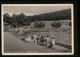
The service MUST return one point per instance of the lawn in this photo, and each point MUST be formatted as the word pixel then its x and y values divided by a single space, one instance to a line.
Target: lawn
pixel 61 35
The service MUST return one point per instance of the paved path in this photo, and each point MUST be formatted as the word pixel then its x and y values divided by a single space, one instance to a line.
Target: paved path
pixel 13 44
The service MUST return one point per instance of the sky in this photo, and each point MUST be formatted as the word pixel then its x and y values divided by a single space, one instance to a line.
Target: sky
pixel 32 10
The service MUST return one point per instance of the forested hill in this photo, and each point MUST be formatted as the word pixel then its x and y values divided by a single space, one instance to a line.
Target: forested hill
pixel 22 18
pixel 58 15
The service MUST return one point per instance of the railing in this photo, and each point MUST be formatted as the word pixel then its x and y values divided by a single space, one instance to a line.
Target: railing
pixel 63 45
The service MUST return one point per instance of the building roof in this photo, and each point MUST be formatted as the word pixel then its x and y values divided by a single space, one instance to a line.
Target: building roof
pixel 6 23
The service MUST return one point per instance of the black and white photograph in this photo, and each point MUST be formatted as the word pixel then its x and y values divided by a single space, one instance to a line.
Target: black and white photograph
pixel 37 29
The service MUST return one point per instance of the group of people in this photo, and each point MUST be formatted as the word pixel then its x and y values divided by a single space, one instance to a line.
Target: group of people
pixel 41 40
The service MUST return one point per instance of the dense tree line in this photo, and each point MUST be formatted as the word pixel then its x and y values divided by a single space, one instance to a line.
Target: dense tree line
pixel 59 15
pixel 16 20
pixel 21 19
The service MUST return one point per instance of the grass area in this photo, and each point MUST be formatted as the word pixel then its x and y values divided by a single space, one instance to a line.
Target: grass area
pixel 61 35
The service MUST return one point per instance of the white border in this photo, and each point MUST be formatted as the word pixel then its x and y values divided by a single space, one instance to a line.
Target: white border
pixel 72 19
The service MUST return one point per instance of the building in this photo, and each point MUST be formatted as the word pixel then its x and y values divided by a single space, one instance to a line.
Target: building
pixel 6 26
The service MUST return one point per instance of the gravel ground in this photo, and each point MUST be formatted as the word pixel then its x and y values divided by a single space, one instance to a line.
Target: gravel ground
pixel 13 44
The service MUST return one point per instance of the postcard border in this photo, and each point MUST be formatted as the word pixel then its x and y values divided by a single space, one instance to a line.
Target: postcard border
pixel 72 13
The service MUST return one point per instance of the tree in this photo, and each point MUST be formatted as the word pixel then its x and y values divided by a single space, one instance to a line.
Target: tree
pixel 39 24
pixel 7 18
pixel 56 24
pixel 14 20
pixel 27 21
pixel 70 24
pixel 21 16
pixel 53 24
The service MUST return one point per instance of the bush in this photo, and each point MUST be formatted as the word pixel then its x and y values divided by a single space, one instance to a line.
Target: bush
pixel 53 24
pixel 56 24
pixel 70 24
pixel 27 24
pixel 39 24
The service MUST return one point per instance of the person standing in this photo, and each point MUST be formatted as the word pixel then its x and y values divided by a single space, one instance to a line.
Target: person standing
pixel 9 28
pixel 35 38
pixel 53 41
pixel 47 41
pixel 38 39
pixel 26 39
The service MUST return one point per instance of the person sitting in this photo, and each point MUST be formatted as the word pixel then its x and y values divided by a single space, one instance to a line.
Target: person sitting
pixel 32 39
pixel 42 40
pixel 28 38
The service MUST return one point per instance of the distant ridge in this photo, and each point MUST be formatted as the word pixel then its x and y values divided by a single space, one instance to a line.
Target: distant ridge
pixel 57 12
pixel 58 15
